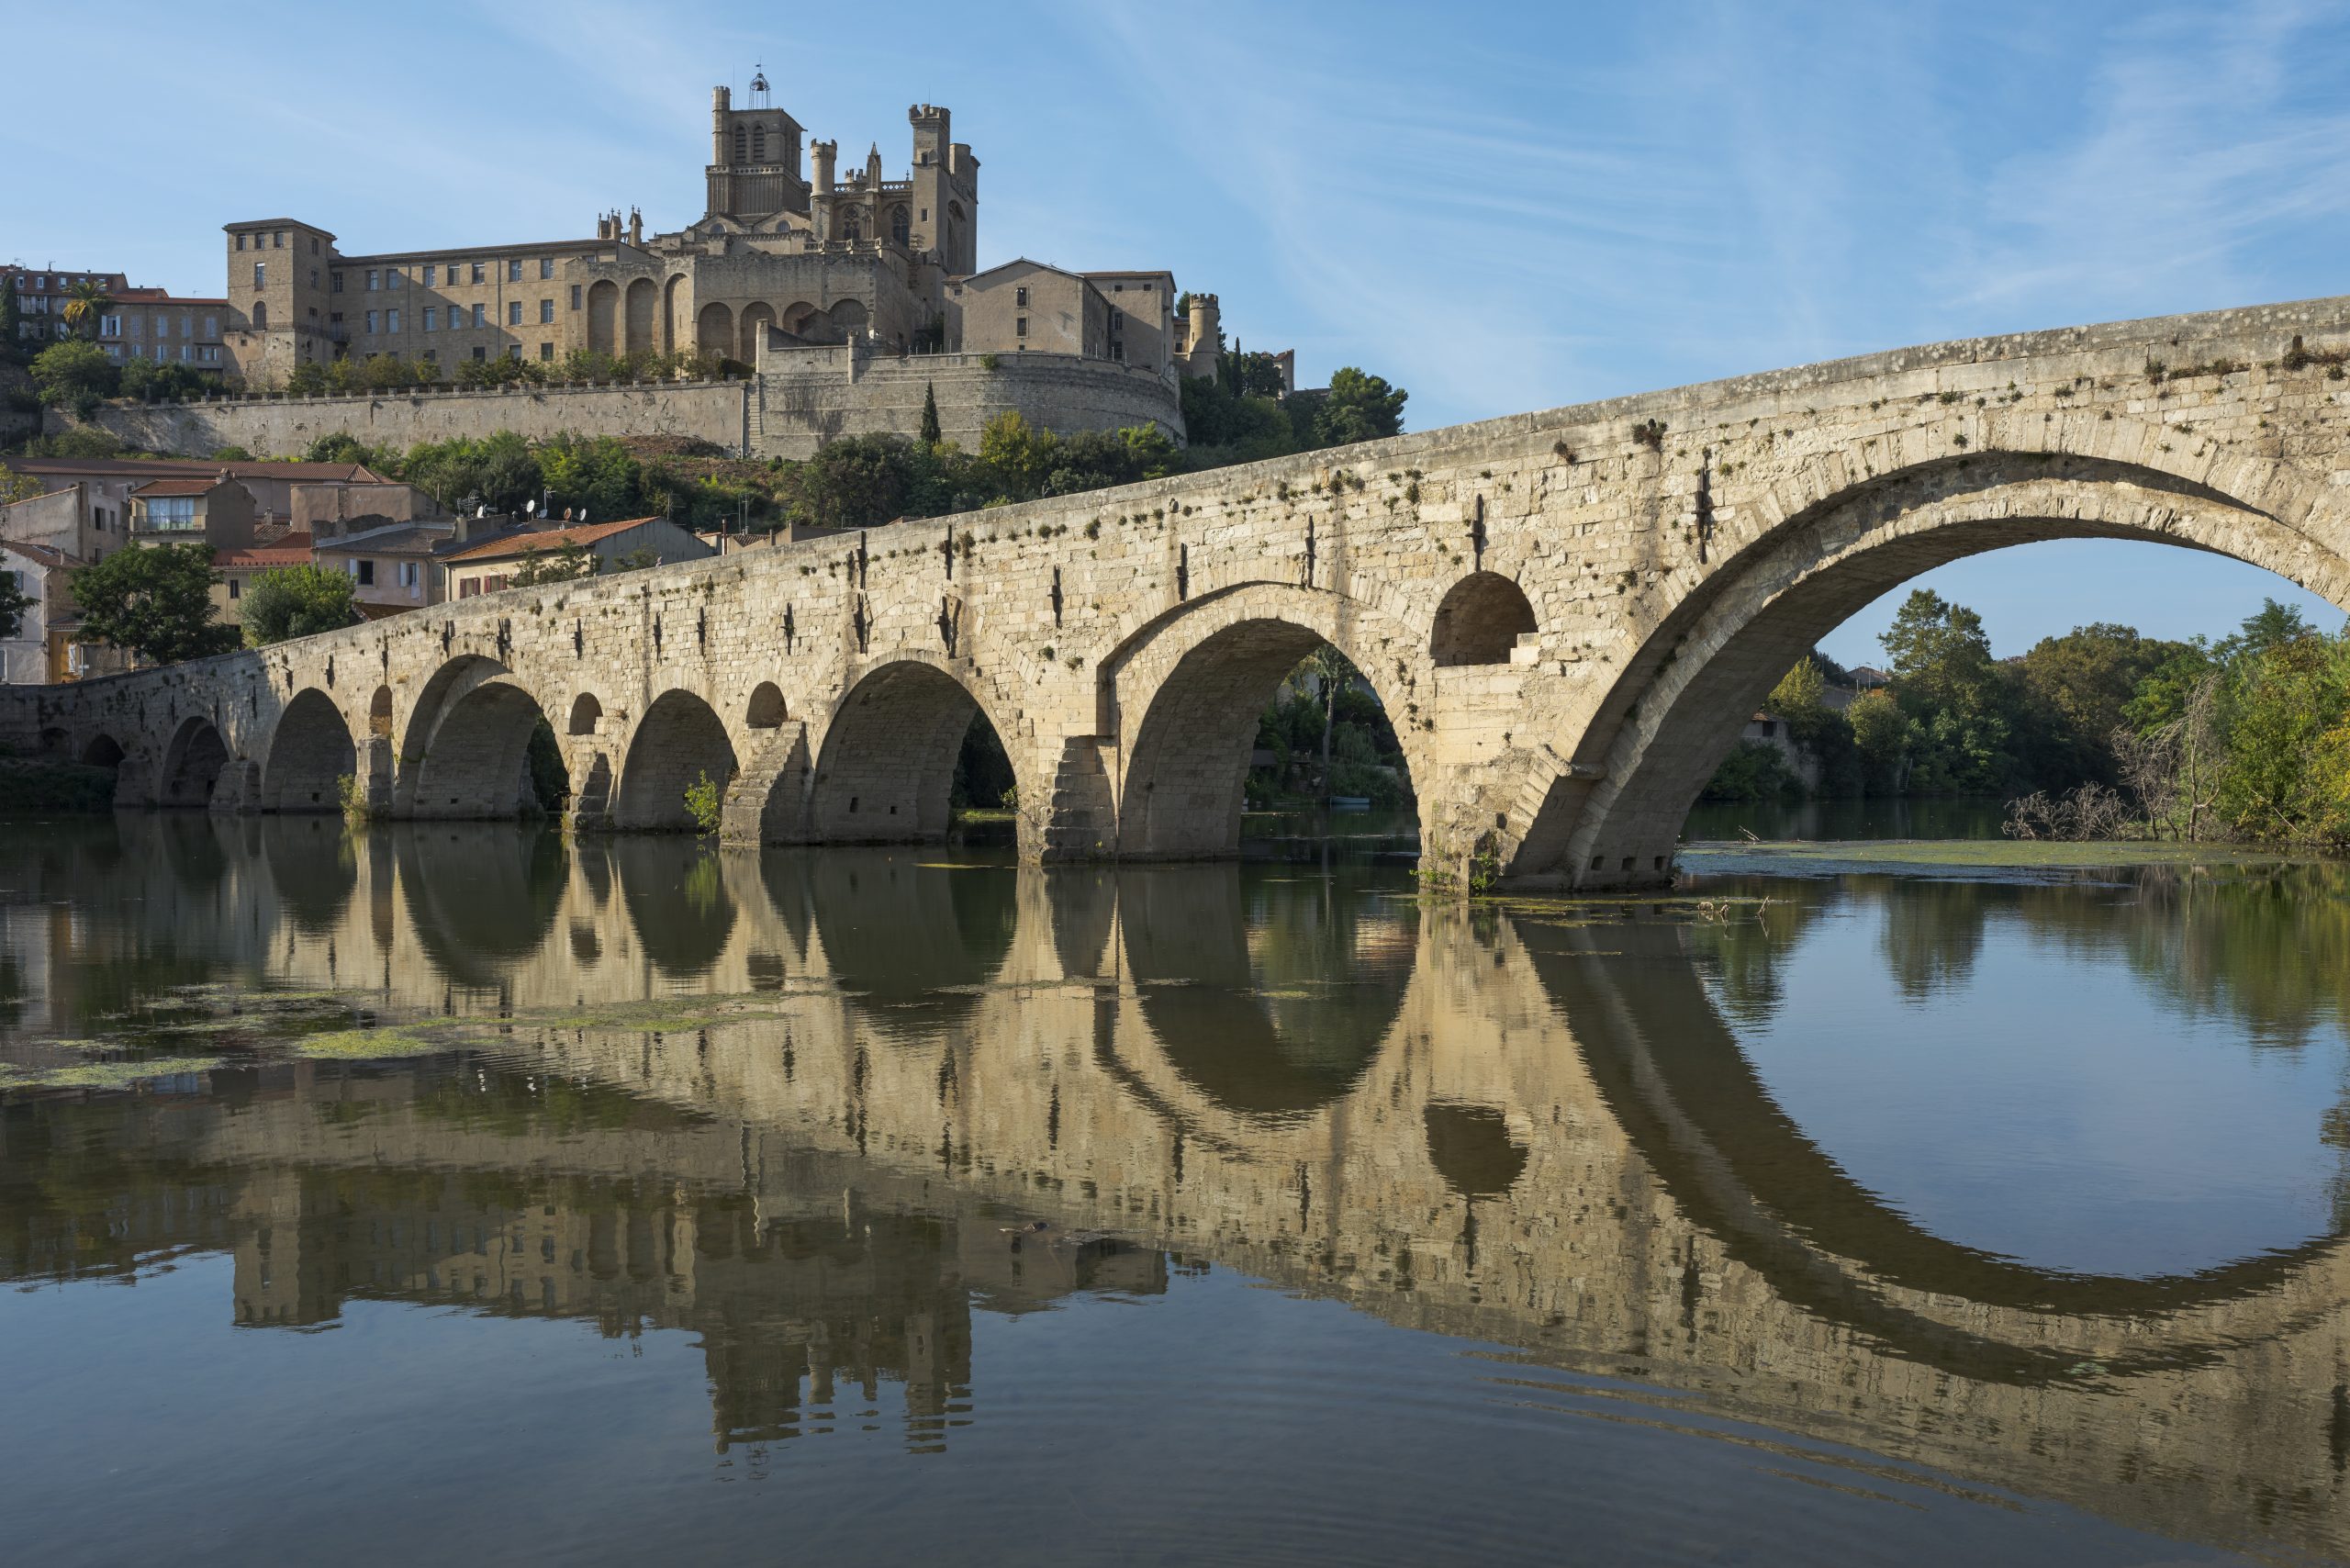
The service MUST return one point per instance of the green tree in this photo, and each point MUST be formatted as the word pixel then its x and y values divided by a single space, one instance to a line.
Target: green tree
pixel 931 432
pixel 14 603
pixel 1361 407
pixel 74 375
pixel 1881 737
pixel 232 453
pixel 1954 694
pixel 298 601
pixel 161 381
pixel 594 478
pixel 15 486
pixel 566 563
pixel 2077 689
pixel 11 326
pixel 85 303
pixel 155 603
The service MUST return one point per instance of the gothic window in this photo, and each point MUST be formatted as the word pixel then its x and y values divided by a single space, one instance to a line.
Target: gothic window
pixel 759 144
pixel 900 230
pixel 741 145
pixel 848 224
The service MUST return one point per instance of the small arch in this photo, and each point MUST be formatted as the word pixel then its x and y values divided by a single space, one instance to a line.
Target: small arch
pixel 585 714
pixel 849 318
pixel 678 743
pixel 756 318
pixel 103 751
pixel 1480 621
pixel 379 712
pixel 310 753
pixel 192 761
pixel 767 710
pixel 1472 1148
pixel 796 317
pixel 714 329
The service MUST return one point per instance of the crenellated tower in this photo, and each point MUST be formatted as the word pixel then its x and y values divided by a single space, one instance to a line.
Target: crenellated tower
pixel 753 172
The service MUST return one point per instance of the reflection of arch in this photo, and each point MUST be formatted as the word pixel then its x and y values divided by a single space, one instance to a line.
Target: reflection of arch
pixel 1678 706
pixel 313 878
pixel 1479 620
pixel 681 909
pixel 886 773
pixel 603 316
pixel 310 753
pixel 1240 1029
pixel 192 763
pixel 1198 681
pixel 1472 1148
pixel 1675 1080
pixel 677 743
pixel 756 318
pixel 714 330
pixel 476 762
pixel 585 714
pixel 909 944
pixel 485 896
pixel 765 709
pixel 638 307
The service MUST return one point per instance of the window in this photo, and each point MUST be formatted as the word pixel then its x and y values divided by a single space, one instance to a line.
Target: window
pixel 277 241
pixel 173 514
pixel 411 573
pixel 901 227
pixel 513 350
pixel 314 244
pixel 546 267
pixel 433 355
pixel 741 145
pixel 391 278
pixel 1020 297
pixel 374 280
pixel 109 326
pixel 334 283
pixel 261 316
pixel 259 274
pixel 431 318
pixel 546 310
pixel 428 271
pixel 1020 326
pixel 480 352
pixel 514 270
pixel 469 587
pixel 546 351
pixel 240 244
pixel 481 273
pixel 575 297
pixel 513 312
pixel 209 354
pixel 233 587
pixel 314 277
pixel 366 572
pixel 391 320
pixel 479 321
pixel 371 323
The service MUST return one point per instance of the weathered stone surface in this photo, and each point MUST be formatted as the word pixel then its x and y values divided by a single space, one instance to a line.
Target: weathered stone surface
pixel 1673 551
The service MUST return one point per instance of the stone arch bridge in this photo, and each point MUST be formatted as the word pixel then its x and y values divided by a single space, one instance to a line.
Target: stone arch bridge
pixel 1568 614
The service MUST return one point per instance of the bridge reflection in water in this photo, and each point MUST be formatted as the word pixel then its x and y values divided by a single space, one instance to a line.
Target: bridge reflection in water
pixel 1526 1129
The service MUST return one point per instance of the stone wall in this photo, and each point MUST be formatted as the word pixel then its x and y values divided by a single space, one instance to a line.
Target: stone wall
pixel 809 396
pixel 711 411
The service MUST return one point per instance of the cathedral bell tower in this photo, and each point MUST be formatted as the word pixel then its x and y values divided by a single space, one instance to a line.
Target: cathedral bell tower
pixel 754 172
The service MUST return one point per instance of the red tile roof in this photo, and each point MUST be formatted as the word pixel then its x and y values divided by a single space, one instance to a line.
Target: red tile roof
pixel 178 487
pixel 264 558
pixel 548 539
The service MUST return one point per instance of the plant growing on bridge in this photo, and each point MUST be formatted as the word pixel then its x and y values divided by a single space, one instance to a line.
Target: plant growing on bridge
pixel 154 603
pixel 702 804
pixel 299 602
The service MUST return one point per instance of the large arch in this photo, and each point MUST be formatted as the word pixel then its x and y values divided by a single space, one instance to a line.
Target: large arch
pixel 886 770
pixel 1198 681
pixel 476 762
pixel 673 308
pixel 192 760
pixel 639 311
pixel 310 753
pixel 680 741
pixel 714 330
pixel 757 318
pixel 603 316
pixel 1677 709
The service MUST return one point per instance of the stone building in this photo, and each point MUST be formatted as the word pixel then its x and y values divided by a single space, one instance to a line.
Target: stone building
pixel 491 566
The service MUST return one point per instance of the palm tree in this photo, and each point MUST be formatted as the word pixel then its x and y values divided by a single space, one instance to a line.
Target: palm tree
pixel 85 303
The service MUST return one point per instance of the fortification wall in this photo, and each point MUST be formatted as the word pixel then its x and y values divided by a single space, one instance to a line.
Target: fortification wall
pixel 806 397
pixel 709 410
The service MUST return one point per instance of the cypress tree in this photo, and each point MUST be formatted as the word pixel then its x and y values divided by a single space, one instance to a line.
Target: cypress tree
pixel 930 434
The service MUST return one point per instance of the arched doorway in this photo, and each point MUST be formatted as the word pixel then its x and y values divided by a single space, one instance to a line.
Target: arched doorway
pixel 310 755
pixel 891 755
pixel 714 330
pixel 756 318
pixel 678 742
pixel 1480 621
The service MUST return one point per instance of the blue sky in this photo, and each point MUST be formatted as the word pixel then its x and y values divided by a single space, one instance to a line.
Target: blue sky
pixel 1498 207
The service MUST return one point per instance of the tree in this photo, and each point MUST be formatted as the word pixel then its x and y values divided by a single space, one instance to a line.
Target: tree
pixel 155 603
pixel 11 325
pixel 931 432
pixel 1951 690
pixel 566 563
pixel 15 486
pixel 232 453
pixel 74 375
pixel 1881 737
pixel 1360 407
pixel 85 302
pixel 2078 687
pixel 14 603
pixel 638 559
pixel 161 381
pixel 595 477
pixel 299 602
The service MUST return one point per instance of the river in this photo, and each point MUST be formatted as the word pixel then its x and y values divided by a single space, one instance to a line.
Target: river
pixel 466 1193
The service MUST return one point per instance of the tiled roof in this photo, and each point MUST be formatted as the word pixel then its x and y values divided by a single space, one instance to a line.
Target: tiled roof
pixel 266 557
pixel 390 539
pixel 548 539
pixel 178 487
pixel 47 554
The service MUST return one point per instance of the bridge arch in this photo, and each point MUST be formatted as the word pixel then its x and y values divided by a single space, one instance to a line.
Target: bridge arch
pixel 467 749
pixel 310 753
pixel 884 766
pixel 1185 694
pixel 1676 709
pixel 192 760
pixel 1479 621
pixel 678 741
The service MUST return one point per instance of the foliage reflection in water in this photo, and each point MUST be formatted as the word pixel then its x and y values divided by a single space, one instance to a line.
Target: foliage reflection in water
pixel 1859 1218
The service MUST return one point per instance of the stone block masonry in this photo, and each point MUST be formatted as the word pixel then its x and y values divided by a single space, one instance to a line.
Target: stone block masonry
pixel 1569 614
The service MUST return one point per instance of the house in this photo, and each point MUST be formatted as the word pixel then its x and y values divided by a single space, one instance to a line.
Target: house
pixel 284 495
pixel 490 566
pixel 46 648
pixel 392 565
pixel 239 566
pixel 217 511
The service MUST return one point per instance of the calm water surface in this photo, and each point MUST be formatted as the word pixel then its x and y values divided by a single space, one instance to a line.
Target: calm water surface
pixel 467 1193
